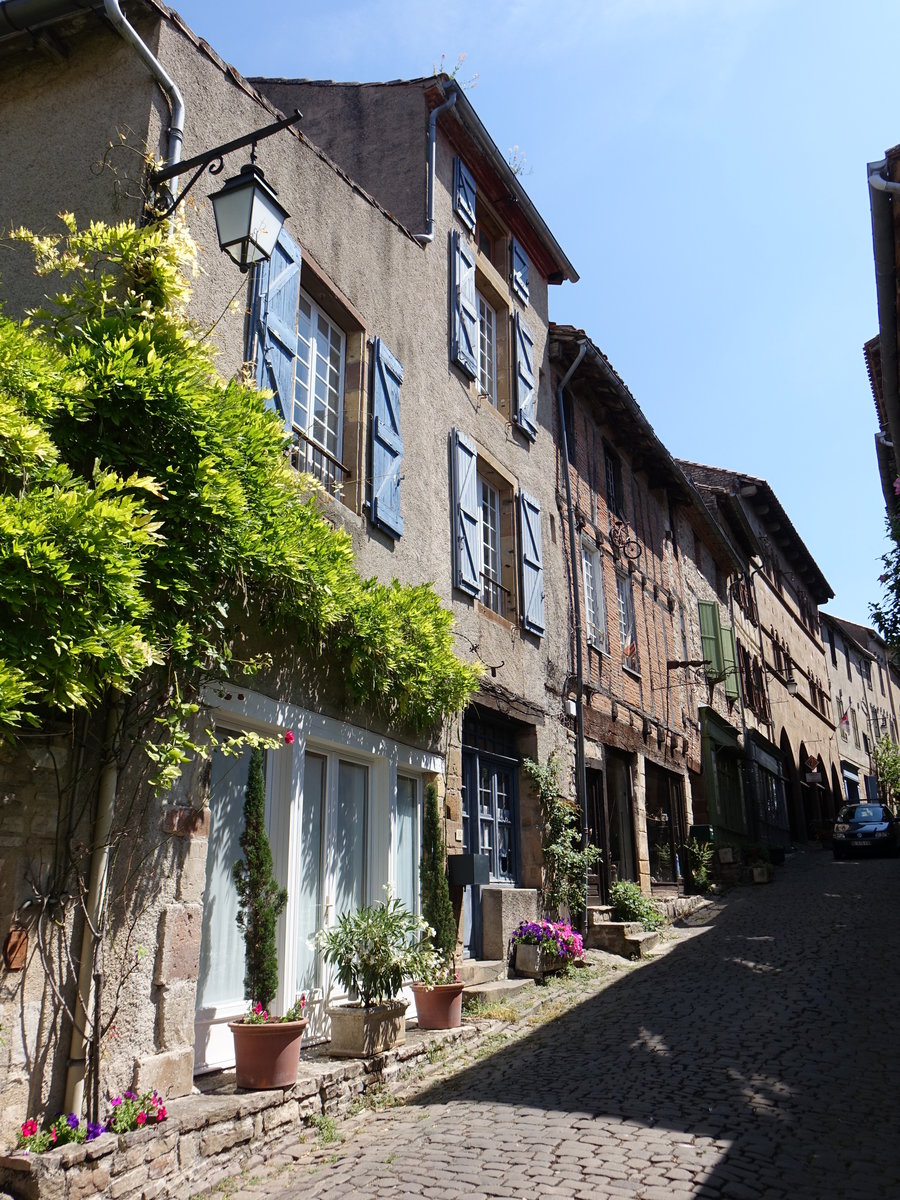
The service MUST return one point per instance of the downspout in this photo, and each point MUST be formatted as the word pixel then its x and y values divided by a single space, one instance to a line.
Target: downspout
pixel 93 913
pixel 580 773
pixel 428 235
pixel 163 78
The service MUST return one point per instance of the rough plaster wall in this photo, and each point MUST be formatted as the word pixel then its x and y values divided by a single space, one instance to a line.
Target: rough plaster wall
pixel 57 121
pixel 851 693
pixel 377 134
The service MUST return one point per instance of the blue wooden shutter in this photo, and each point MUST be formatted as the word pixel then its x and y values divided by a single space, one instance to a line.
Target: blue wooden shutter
pixel 531 565
pixel 466 522
pixel 387 444
pixel 526 392
pixel 276 304
pixel 465 308
pixel 519 271
pixel 464 194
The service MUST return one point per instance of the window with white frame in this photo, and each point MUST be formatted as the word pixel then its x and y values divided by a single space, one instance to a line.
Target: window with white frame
pixel 627 630
pixel 487 349
pixel 319 390
pixel 489 512
pixel 594 603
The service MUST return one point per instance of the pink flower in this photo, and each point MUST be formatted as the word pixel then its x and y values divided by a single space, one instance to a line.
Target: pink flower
pixel 53 1134
pixel 897 487
pixel 29 1127
pixel 116 1101
pixel 289 736
pixel 303 1000
pixel 161 1113
pixel 141 1118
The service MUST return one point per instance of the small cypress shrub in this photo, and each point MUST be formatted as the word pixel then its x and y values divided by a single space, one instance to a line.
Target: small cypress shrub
pixel 260 900
pixel 437 908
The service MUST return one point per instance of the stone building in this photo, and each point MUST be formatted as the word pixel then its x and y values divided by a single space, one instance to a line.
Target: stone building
pixel 781 659
pixel 651 644
pixel 405 339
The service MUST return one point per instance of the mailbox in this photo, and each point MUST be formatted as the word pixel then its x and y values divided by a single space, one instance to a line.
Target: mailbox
pixel 466 870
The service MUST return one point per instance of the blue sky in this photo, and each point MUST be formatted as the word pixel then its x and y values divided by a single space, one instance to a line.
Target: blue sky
pixel 703 165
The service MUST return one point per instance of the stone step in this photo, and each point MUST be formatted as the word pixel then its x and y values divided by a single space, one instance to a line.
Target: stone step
pixel 484 970
pixel 616 937
pixel 497 989
pixel 598 913
pixel 641 943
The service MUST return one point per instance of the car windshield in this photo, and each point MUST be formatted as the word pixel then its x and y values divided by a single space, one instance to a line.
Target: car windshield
pixel 864 812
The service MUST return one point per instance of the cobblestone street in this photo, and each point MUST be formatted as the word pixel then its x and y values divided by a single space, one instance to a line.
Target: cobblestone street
pixel 757 1057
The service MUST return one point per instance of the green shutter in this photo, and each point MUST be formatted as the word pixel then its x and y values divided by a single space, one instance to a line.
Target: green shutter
pixel 729 659
pixel 710 637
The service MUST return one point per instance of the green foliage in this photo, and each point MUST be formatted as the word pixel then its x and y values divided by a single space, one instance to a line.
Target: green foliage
pixel 566 863
pixel 376 949
pixel 437 908
pixel 260 900
pixel 699 856
pixel 147 511
pixel 630 904
pixel 886 756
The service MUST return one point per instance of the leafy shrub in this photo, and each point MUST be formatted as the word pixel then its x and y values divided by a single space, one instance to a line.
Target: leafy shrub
pixel 566 862
pixel 700 856
pixel 376 949
pixel 630 904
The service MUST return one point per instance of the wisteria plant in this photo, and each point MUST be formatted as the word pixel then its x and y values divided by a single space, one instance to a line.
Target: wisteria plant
pixel 557 937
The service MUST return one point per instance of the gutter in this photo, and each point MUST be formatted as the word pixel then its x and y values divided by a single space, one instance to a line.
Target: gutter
pixel 881 192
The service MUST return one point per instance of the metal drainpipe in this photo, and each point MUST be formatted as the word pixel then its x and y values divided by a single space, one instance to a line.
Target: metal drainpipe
pixel 428 235
pixel 106 802
pixel 580 773
pixel 162 77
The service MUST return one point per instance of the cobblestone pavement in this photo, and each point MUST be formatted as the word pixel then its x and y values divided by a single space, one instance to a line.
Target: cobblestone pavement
pixel 756 1059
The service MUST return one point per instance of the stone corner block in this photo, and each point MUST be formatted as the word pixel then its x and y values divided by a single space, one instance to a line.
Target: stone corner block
pixel 170 1073
pixel 502 909
pixel 178 946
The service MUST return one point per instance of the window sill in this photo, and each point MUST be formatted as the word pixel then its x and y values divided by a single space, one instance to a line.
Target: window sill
pixel 483 610
pixel 635 674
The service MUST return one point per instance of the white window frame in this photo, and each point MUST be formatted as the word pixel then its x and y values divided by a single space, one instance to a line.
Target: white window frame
pixel 627 625
pixel 594 598
pixel 489 535
pixel 311 363
pixel 487 349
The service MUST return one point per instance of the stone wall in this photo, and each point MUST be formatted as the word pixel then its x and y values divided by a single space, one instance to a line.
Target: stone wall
pixel 209 1138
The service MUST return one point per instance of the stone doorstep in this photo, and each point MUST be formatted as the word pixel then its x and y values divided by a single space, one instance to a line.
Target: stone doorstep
pixel 473 971
pixel 497 989
pixel 641 944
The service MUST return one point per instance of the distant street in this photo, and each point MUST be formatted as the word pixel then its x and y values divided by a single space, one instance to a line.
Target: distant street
pixel 758 1059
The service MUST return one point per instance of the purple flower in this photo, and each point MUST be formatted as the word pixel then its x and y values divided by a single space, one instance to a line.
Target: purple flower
pixel 116 1101
pixel 72 1121
pixel 94 1130
pixel 130 1096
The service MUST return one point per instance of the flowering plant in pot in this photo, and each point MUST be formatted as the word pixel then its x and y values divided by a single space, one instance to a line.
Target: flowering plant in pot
pixel 438 993
pixel 266 1048
pixel 374 950
pixel 541 947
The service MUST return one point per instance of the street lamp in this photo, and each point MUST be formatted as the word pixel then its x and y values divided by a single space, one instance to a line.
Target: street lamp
pixel 248 215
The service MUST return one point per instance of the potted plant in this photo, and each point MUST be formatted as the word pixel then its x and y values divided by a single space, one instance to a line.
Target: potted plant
pixel 543 947
pixel 374 950
pixel 266 1048
pixel 438 997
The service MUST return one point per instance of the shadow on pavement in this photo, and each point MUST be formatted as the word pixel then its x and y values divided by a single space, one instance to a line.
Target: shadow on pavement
pixel 773 1031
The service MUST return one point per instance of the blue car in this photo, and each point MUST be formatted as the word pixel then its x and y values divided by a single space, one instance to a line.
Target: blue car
pixel 865 828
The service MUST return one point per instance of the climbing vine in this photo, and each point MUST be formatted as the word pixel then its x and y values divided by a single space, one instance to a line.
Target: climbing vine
pixel 565 861
pixel 150 519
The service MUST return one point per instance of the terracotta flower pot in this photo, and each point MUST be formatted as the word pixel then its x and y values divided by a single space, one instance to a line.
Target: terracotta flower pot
pixel 439 1007
pixel 266 1056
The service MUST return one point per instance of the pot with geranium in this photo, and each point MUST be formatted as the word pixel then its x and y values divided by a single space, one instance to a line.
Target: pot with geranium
pixel 374 951
pixel 266 1048
pixel 543 947
pixel 439 995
